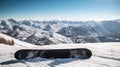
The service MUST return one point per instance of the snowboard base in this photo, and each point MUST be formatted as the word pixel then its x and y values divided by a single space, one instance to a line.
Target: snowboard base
pixel 81 53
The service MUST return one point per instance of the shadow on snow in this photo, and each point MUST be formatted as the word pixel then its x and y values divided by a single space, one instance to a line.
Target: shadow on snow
pixel 54 61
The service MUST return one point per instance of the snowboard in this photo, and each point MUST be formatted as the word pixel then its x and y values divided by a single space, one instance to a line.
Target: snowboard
pixel 81 53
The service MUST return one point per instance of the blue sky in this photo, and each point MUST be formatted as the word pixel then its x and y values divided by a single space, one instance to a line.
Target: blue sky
pixel 60 9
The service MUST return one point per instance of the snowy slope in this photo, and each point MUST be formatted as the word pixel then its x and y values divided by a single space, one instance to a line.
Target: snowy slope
pixel 104 55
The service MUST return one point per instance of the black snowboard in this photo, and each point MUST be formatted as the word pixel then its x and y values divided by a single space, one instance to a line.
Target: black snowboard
pixel 81 53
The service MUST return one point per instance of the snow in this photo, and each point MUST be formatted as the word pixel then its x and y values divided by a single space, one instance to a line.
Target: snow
pixel 104 55
pixel 57 38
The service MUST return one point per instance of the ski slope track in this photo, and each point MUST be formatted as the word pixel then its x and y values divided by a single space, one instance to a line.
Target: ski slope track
pixel 104 55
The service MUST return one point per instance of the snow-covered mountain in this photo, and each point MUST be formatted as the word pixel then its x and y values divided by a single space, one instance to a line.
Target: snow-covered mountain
pixel 103 55
pixel 33 32
pixel 55 32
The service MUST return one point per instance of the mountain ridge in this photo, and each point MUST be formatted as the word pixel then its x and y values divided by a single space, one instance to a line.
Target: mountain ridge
pixel 42 32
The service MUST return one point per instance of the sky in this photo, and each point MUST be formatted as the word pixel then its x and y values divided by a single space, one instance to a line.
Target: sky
pixel 74 10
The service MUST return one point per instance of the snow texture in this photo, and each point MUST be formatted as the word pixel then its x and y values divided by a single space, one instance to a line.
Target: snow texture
pixel 104 55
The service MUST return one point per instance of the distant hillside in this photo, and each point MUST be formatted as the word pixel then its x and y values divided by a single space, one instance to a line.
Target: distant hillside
pixel 55 32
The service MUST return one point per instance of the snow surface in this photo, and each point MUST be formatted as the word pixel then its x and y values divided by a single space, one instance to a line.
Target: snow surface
pixel 104 55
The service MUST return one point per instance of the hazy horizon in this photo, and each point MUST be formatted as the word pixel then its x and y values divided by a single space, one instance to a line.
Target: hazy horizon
pixel 71 10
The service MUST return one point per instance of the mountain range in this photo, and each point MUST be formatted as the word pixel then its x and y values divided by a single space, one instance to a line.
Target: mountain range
pixel 56 32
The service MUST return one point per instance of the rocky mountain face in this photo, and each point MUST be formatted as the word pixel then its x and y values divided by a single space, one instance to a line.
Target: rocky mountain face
pixel 55 32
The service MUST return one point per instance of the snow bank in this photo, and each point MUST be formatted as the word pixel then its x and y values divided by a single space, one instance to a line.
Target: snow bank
pixel 6 40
